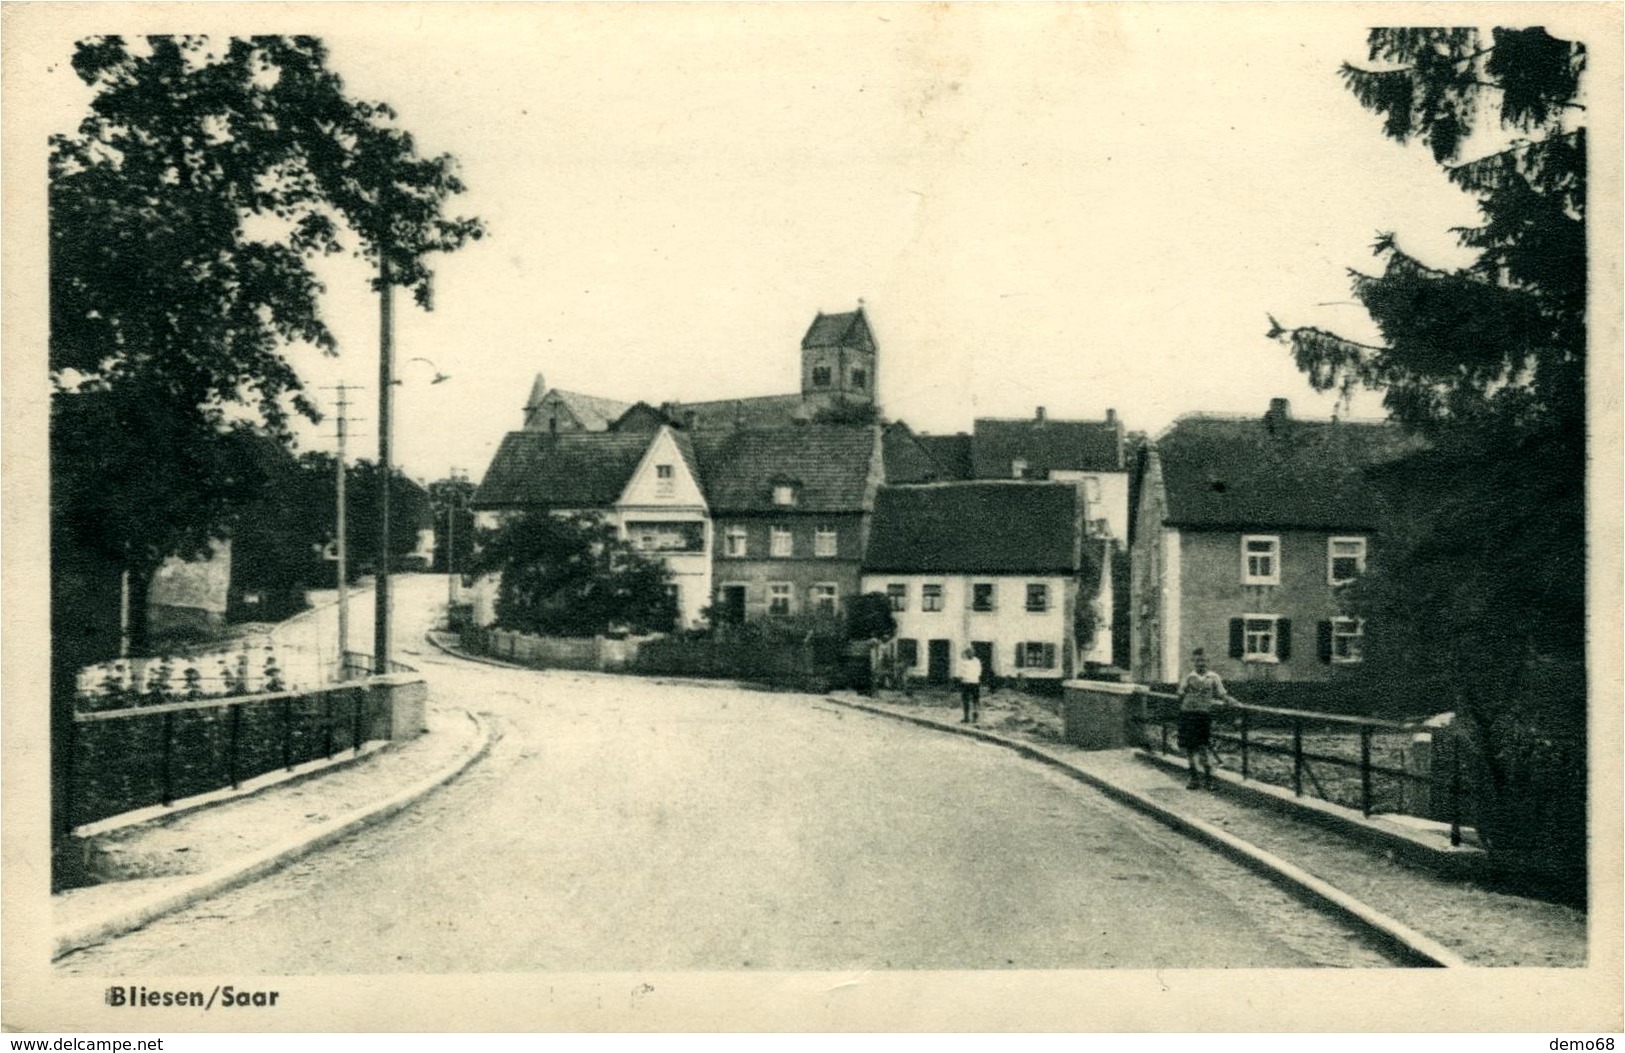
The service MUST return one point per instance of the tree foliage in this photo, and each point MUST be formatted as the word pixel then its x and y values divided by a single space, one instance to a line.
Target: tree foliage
pixel 574 576
pixel 1477 585
pixel 185 212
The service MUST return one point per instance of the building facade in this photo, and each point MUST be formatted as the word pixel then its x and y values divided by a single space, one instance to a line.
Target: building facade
pixel 990 566
pixel 1247 533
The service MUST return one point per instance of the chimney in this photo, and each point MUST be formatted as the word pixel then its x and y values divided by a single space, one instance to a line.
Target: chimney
pixel 1111 415
pixel 1040 415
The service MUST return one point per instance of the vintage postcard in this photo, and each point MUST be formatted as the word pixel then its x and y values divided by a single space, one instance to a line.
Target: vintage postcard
pixel 812 517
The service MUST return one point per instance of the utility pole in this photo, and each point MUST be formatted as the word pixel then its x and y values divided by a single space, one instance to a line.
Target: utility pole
pixel 386 390
pixel 344 570
pixel 453 503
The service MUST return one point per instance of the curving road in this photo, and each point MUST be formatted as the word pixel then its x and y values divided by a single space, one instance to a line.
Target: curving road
pixel 621 824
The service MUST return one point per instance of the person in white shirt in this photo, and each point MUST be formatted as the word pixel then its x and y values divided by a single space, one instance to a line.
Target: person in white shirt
pixel 1200 692
pixel 970 686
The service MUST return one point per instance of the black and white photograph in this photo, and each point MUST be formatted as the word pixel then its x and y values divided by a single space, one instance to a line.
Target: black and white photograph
pixel 884 517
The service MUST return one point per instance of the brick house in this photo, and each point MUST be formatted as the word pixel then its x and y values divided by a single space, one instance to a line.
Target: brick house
pixel 1246 531
pixel 791 509
pixel 647 484
pixel 989 565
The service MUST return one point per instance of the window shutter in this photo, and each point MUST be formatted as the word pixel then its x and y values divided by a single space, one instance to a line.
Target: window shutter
pixel 1020 658
pixel 1323 633
pixel 1283 638
pixel 1238 639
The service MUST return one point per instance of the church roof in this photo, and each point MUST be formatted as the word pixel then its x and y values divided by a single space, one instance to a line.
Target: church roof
pixel 849 329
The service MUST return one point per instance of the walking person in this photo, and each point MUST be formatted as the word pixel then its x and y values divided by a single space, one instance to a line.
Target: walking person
pixel 970 686
pixel 1200 692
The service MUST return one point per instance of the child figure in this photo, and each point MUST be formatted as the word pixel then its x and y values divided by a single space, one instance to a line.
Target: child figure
pixel 1198 695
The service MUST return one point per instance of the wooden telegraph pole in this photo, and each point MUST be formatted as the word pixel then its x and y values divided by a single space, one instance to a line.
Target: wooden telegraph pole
pixel 386 391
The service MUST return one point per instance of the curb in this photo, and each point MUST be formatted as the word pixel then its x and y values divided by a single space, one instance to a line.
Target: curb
pixel 1395 935
pixel 266 861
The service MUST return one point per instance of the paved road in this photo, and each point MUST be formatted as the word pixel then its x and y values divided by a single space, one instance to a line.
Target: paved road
pixel 625 825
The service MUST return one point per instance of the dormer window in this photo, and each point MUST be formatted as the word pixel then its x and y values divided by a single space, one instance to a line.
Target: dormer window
pixel 784 494
pixel 1018 469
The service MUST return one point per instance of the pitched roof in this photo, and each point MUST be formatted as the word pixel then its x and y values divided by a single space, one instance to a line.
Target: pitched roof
pixel 594 413
pixel 906 461
pixel 576 469
pixel 830 464
pixel 641 417
pixel 1046 445
pixel 1238 473
pixel 976 528
pixel 850 329
pixel 951 452
pixel 762 411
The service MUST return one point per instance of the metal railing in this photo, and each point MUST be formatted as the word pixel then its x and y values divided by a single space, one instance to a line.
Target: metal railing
pixel 1259 729
pixel 134 757
pixel 354 665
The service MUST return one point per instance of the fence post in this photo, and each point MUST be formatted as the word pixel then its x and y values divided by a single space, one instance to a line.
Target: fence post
pixel 1455 794
pixel 236 717
pixel 1244 768
pixel 169 757
pixel 287 733
pixel 1365 769
pixel 1297 756
pixel 327 722
pixel 356 698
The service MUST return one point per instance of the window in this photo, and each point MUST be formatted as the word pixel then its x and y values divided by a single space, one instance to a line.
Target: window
pixel 908 653
pixel 824 542
pixel 822 598
pixel 778 598
pixel 1018 469
pixel 982 595
pixel 860 379
pixel 738 541
pixel 1347 639
pixel 930 597
pixel 667 537
pixel 665 480
pixel 1035 655
pixel 820 376
pixel 1260 560
pixel 897 593
pixel 784 494
pixel 782 545
pixel 1345 559
pixel 1261 638
pixel 1037 597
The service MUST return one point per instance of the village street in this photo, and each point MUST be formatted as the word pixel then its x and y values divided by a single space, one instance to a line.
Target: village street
pixel 620 824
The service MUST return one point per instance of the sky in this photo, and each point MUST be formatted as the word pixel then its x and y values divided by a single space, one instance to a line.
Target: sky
pixel 1079 207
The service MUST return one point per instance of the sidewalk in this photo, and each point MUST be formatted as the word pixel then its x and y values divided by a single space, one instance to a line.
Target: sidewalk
pixel 165 860
pixel 1482 926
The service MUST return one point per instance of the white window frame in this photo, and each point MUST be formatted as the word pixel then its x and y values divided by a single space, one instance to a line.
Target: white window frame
pixel 1271 656
pixel 787 536
pixel 1352 629
pixel 781 590
pixel 1018 469
pixel 784 495
pixel 826 538
pixel 815 597
pixel 1043 604
pixel 926 596
pixel 1332 556
pixel 1048 654
pixel 992 596
pixel 897 595
pixel 742 536
pixel 1273 576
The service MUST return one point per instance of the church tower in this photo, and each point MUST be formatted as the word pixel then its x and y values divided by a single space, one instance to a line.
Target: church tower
pixel 838 359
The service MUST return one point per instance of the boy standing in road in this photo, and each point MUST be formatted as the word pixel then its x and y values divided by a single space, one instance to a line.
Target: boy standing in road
pixel 1198 695
pixel 970 685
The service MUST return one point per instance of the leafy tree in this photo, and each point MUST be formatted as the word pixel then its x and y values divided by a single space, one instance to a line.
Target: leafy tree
pixel 1478 588
pixel 574 576
pixel 185 210
pixel 869 617
pixel 453 522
